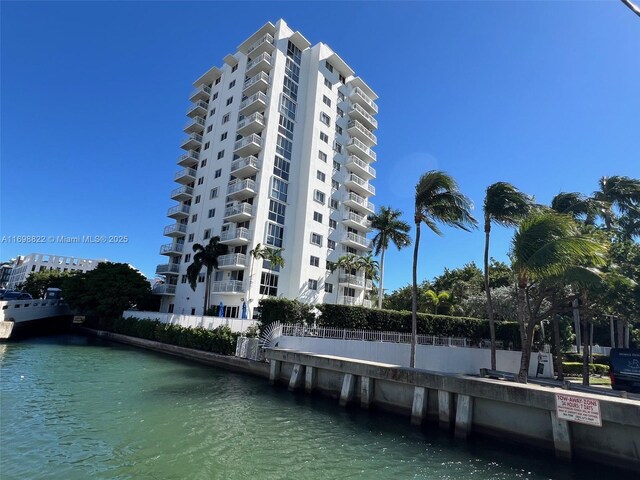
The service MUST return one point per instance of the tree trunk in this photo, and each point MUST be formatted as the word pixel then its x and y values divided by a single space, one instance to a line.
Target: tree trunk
pixel 414 298
pixel 620 333
pixel 585 343
pixel 524 340
pixel 207 287
pixel 558 348
pixel 492 325
pixel 576 323
pixel 381 291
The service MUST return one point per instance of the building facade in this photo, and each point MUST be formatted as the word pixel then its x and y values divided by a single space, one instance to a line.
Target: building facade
pixel 278 152
pixel 39 262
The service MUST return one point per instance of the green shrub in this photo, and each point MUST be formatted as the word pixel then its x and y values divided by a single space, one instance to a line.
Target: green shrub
pixel 285 311
pixel 577 357
pixel 575 368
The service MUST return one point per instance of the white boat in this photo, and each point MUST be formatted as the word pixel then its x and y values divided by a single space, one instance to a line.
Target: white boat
pixel 37 315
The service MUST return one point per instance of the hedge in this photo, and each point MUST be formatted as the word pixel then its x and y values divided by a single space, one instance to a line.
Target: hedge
pixel 220 340
pixel 575 368
pixel 285 311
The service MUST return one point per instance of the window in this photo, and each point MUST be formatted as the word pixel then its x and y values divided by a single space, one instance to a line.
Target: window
pixel 335 184
pixel 316 239
pixel 194 218
pixel 234 68
pixel 209 128
pixel 320 176
pixel 223 136
pixel 338 129
pixel 279 189
pixel 322 156
pixel 171 307
pixel 197 199
pixel 213 193
pixel 324 118
pixel 324 137
pixel 328 287
pixel 292 70
pixel 207 234
pixel 331 244
pixel 290 88
pixel 328 66
pixel 327 83
pixel 229 101
pixel 220 154
pixel 313 284
pixel 187 258
pixel 342 79
pixel 281 168
pixel 218 173
pixel 212 212
pixel 317 216
pixel 288 107
pixel 326 100
pixel 274 235
pixel 226 118
pixel 340 112
pixel 318 196
pixel 190 239
pixel 215 95
pixel 206 146
pixel 203 163
pixel 333 203
pixel 212 112
pixel 200 180
pixel 333 223
pixel 231 85
pixel 201 277
pixel 218 80
pixel 269 284
pixel 336 166
pixel 314 261
pixel 183 279
pixel 340 96
pixel 277 211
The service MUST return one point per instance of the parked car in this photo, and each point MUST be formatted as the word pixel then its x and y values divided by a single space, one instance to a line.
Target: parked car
pixel 624 369
pixel 16 296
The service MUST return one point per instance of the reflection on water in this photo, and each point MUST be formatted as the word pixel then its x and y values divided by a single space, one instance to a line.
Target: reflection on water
pixel 77 408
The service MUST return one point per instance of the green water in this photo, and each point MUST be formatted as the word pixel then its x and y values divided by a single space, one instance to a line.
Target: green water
pixel 77 408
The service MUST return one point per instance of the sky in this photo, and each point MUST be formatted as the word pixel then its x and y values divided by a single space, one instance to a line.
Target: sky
pixel 544 95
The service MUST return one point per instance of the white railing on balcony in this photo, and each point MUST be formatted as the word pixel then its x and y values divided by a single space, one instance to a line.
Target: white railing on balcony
pixel 180 190
pixel 356 124
pixel 263 56
pixel 360 200
pixel 198 120
pixel 229 286
pixel 171 247
pixel 347 301
pixel 164 289
pixel 265 38
pixel 262 76
pixel 352 177
pixel 238 185
pixel 201 88
pixel 190 154
pixel 352 280
pixel 236 233
pixel 176 227
pixel 360 219
pixel 232 259
pixel 191 172
pixel 362 146
pixel 362 164
pixel 354 237
pixel 253 98
pixel 253 138
pixel 197 104
pixel 167 268
pixel 179 209
pixel 251 161
pixel 239 209
pixel 193 136
pixel 254 117
pixel 360 109
pixel 367 99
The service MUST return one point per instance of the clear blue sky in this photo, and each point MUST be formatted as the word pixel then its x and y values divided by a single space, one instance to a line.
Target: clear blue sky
pixel 545 95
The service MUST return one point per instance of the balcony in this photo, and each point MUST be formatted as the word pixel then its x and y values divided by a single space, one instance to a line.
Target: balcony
pixel 238 213
pixel 189 159
pixel 164 289
pixel 356 241
pixel 254 103
pixel 182 193
pixel 185 176
pixel 172 249
pixel 176 230
pixel 357 95
pixel 194 140
pixel 236 236
pixel 194 125
pixel 260 63
pixel 367 303
pixel 355 220
pixel 229 286
pixel 199 109
pixel 241 189
pixel 357 129
pixel 245 167
pixel 257 83
pixel 353 281
pixel 235 261
pixel 360 149
pixel 178 211
pixel 168 269
pixel 247 146
pixel 359 113
pixel 359 185
pixel 360 167
pixel 254 123
pixel 347 301
pixel 263 44
pixel 354 200
pixel 201 92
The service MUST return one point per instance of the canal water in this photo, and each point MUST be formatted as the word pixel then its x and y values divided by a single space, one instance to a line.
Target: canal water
pixel 78 408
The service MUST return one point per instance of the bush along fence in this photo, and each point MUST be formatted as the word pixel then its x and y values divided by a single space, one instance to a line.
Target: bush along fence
pixel 220 340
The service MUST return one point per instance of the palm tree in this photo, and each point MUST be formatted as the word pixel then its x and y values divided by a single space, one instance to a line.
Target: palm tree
pixel 371 269
pixel 580 207
pixel 349 263
pixel 390 229
pixel 546 245
pixel 620 192
pixel 207 257
pixel 504 205
pixel 437 298
pixel 438 200
pixel 271 255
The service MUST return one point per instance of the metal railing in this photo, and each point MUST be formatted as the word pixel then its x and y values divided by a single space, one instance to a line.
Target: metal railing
pixel 256 78
pixel 229 286
pixel 354 237
pixel 236 233
pixel 360 109
pixel 178 209
pixel 238 209
pixel 171 247
pixel 197 104
pixel 185 172
pixel 201 88
pixel 360 127
pixel 360 144
pixel 176 227
pixel 236 186
pixel 198 120
pixel 367 99
pixel 180 190
pixel 362 164
pixel 352 177
pixel 253 98
pixel 254 117
pixel 262 57
pixel 250 161
pixel 360 201
pixel 253 138
pixel 265 38
pixel 232 259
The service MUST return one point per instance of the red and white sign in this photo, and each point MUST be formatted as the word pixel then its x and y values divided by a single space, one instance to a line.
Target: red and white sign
pixel 578 409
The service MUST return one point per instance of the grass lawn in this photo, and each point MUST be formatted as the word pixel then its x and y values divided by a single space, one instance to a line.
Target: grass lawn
pixel 593 380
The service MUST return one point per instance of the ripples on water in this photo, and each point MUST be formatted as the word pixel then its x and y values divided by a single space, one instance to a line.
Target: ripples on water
pixel 76 408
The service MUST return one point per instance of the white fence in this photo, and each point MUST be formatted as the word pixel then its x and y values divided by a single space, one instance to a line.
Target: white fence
pixel 193 321
pixel 595 349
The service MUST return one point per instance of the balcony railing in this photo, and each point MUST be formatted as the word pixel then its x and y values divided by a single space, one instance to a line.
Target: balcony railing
pixel 236 186
pixel 164 289
pixel 268 38
pixel 362 129
pixel 201 91
pixel 175 228
pixel 195 121
pixel 252 139
pixel 251 163
pixel 236 234
pixel 179 210
pixel 260 96
pixel 355 238
pixel 263 57
pixel 354 160
pixel 184 173
pixel 171 248
pixel 189 159
pixel 198 106
pixel 168 268
pixel 260 77
pixel 193 140
pixel 366 99
pixel 352 177
pixel 359 144
pixel 232 259
pixel 347 300
pixel 229 286
pixel 183 191
pixel 359 219
pixel 255 117
pixel 352 280
pixel 360 201
pixel 241 208
pixel 356 110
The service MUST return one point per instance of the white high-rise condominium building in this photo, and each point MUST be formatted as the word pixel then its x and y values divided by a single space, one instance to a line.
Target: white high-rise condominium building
pixel 278 152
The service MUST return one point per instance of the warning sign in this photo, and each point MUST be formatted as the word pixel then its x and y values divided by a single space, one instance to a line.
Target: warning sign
pixel 578 409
